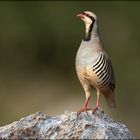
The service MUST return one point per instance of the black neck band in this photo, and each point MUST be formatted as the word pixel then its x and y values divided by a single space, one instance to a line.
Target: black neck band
pixel 88 34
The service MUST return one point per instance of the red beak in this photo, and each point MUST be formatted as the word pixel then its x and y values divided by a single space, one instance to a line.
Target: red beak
pixel 80 15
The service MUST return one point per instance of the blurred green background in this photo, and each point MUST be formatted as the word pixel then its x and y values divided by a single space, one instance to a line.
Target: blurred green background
pixel 38 44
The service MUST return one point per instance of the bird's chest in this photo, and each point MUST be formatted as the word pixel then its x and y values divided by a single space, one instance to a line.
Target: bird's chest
pixel 86 56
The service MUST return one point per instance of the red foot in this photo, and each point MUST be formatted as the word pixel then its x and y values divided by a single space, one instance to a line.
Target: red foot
pixel 83 110
pixel 95 109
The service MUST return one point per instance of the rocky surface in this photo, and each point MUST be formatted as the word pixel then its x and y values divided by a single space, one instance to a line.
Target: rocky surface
pixel 66 126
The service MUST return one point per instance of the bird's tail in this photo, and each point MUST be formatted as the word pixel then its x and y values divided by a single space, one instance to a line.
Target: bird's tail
pixel 110 98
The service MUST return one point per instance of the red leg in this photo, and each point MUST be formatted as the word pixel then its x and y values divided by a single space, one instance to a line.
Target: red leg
pixel 84 109
pixel 86 103
pixel 97 103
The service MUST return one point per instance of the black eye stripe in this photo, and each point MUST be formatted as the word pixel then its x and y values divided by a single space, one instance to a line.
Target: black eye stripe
pixel 88 35
pixel 86 14
pixel 92 18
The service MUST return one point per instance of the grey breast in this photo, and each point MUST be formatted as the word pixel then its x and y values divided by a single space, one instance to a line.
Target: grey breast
pixel 86 55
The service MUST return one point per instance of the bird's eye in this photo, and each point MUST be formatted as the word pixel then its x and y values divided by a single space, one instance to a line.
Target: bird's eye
pixel 86 14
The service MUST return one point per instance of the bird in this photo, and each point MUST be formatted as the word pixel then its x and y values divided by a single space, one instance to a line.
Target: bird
pixel 93 65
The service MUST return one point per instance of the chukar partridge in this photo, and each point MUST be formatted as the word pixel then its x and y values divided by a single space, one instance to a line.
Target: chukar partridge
pixel 93 66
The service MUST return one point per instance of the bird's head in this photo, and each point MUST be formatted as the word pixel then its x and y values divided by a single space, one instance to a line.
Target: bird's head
pixel 90 20
pixel 88 17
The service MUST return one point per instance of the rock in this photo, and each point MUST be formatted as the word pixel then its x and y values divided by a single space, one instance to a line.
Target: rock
pixel 66 126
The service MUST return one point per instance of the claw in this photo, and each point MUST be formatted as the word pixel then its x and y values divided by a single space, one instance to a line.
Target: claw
pixel 83 110
pixel 95 109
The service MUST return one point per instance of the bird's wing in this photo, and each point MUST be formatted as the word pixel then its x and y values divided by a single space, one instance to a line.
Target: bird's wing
pixel 112 83
pixel 102 67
